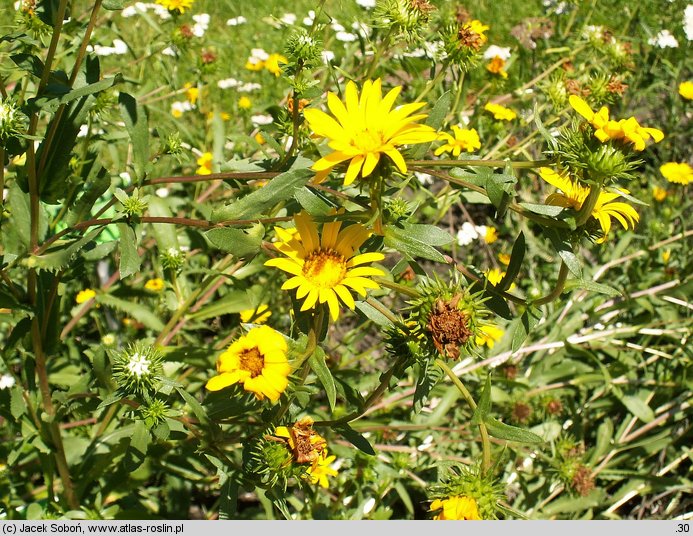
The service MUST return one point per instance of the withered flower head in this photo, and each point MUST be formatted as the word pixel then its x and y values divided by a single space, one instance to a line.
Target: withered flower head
pixel 583 481
pixel 616 86
pixel 305 443
pixel 449 327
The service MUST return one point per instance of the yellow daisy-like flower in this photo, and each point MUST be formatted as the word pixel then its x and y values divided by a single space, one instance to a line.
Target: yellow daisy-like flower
pixel 500 112
pixel 488 335
pixel 324 268
pixel 255 65
pixel 659 194
pixel 495 276
pixel 321 469
pixel 491 235
pixel 455 508
pixel 191 93
pixel 504 258
pixel 205 163
pixel 496 66
pixel 465 139
pixel 176 5
pixel 608 129
pixel 365 129
pixel 666 255
pixel 244 103
pixel 258 361
pixel 573 194
pixel 477 27
pixel 686 89
pixel 258 316
pixel 85 295
pixel 272 64
pixel 679 173
pixel 155 285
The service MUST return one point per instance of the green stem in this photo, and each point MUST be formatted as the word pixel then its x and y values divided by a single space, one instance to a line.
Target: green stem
pixel 557 289
pixel 432 83
pixel 378 54
pixel 458 96
pixel 480 163
pixel 382 309
pixel 402 289
pixel 483 431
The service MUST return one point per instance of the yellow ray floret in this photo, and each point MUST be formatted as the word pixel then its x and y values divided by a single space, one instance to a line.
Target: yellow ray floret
pixel 606 129
pixel 324 267
pixel 573 194
pixel 258 361
pixel 364 128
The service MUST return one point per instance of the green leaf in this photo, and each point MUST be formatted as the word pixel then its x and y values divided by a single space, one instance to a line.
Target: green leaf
pixel 236 241
pixel 499 188
pixel 483 408
pixel 97 182
pixel 565 251
pixel 51 104
pixel 139 443
pixel 113 5
pixel 543 210
pixel 428 378
pixel 516 258
pixel 637 406
pixel 417 240
pixel 311 202
pixel 195 406
pixel 130 259
pixel 356 439
pixel 592 286
pixel 137 311
pixel 373 314
pixel 60 256
pixel 135 119
pixel 165 234
pixel 228 499
pixel 322 371
pixel 279 189
pixel 500 430
pixel 17 404
pixel 29 63
pixel 526 323
pixel 435 120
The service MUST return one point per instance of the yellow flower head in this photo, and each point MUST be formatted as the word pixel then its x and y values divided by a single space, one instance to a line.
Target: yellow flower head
pixel 608 129
pixel 572 194
pixel 659 194
pixel 324 268
pixel 244 103
pixel 466 139
pixel 176 5
pixel 321 469
pixel 85 295
pixel 495 276
pixel 455 508
pixel 254 64
pixel 496 66
pixel 488 335
pixel 366 128
pixel 679 173
pixel 504 258
pixel 500 112
pixel 491 235
pixel 191 93
pixel 258 138
pixel 257 316
pixel 155 285
pixel 205 163
pixel 686 89
pixel 666 255
pixel 258 361
pixel 272 64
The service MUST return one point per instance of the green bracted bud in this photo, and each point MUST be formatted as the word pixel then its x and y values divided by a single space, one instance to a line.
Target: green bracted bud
pixel 407 19
pixel 13 122
pixel 303 51
pixel 133 205
pixel 137 370
pixel 172 259
pixel 268 462
pixel 469 482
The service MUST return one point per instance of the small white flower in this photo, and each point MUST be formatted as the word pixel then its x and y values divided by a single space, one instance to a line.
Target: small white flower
pixel 162 192
pixel 127 12
pixel 361 28
pixel 201 24
pixel 261 119
pixel 308 21
pixel 181 106
pixel 467 234
pixel 288 18
pixel 170 51
pixel 259 54
pixel 664 39
pixel 138 365
pixel 327 56
pixel 423 178
pixel 426 443
pixel 367 4
pixel 494 51
pixel 368 506
pixel 248 87
pixel 688 22
pixel 236 21
pixel 594 33
pixel 337 27
pixel 6 381
pixel 120 46
pixel 346 37
pixel 227 83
